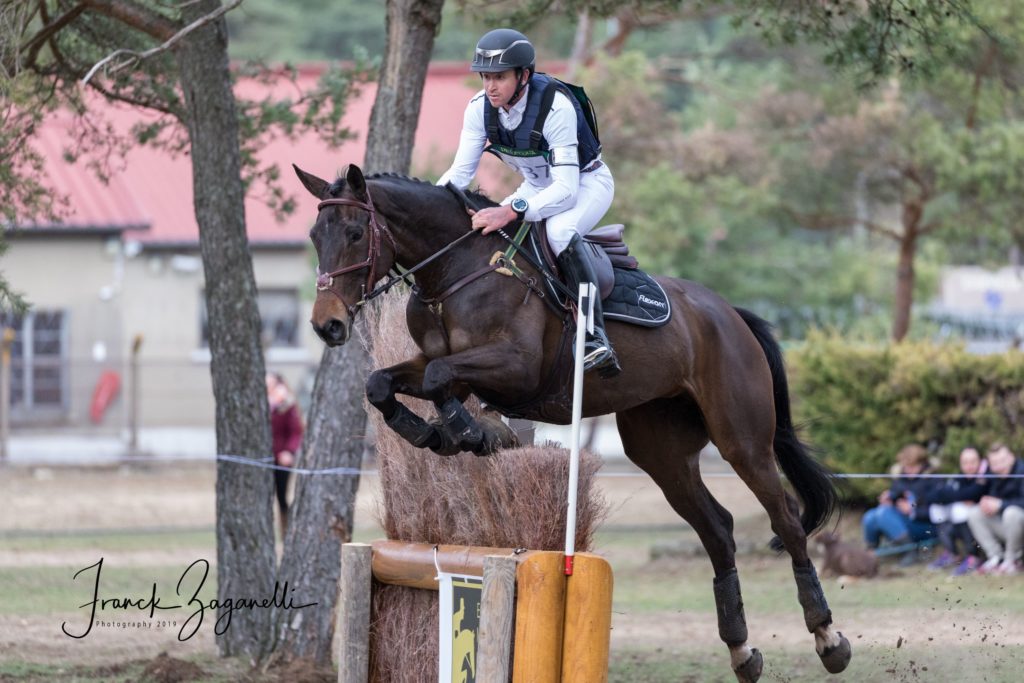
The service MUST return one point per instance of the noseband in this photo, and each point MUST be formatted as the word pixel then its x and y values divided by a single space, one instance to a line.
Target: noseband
pixel 325 281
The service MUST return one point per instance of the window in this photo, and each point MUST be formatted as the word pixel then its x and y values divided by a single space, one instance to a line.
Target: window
pixel 279 318
pixel 38 362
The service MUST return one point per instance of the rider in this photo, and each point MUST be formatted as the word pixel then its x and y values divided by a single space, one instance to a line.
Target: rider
pixel 564 179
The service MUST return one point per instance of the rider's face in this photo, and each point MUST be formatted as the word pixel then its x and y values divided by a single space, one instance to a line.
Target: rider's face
pixel 500 86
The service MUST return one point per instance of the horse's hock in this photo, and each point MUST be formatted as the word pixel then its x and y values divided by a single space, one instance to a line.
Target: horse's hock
pixel 536 625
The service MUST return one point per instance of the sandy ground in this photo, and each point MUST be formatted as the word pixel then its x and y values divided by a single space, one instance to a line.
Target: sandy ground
pixel 56 503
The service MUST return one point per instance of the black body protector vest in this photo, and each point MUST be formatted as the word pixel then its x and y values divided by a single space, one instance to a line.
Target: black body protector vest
pixel 525 148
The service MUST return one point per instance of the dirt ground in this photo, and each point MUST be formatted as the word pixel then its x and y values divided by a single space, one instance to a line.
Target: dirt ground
pixel 58 520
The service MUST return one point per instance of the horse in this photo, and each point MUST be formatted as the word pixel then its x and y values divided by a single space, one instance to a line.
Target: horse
pixel 713 373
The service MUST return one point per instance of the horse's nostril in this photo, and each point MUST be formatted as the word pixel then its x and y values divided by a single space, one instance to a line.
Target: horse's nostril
pixel 334 331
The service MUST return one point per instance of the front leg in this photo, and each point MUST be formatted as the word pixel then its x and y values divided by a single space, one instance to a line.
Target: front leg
pixel 403 378
pixel 493 366
pixel 406 378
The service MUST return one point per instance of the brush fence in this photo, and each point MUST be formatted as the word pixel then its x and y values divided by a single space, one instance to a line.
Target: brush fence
pixel 561 624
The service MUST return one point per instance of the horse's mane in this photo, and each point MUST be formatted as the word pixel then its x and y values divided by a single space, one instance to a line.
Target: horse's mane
pixel 475 196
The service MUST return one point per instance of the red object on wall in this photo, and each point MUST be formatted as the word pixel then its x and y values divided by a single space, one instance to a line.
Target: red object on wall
pixel 106 390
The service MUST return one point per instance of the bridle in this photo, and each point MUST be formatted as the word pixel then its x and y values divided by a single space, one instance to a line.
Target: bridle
pixel 325 281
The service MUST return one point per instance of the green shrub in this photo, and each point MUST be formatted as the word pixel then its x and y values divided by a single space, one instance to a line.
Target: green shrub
pixel 860 403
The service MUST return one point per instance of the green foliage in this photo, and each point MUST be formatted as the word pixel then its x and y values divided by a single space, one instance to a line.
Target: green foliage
pixel 320 30
pixel 10 301
pixel 861 403
pixel 265 30
pixel 873 38
pixel 53 57
pixel 708 202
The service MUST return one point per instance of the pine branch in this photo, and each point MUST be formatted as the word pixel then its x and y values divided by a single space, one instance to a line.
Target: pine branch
pixel 829 221
pixel 51 29
pixel 137 16
pixel 133 57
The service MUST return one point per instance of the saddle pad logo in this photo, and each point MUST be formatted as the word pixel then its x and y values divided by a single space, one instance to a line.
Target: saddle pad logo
pixel 642 299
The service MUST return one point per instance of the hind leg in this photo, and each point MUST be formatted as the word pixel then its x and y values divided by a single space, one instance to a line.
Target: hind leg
pixel 664 438
pixel 749 451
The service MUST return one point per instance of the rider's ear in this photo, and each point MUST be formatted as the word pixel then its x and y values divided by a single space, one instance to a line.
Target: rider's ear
pixel 316 186
pixel 356 181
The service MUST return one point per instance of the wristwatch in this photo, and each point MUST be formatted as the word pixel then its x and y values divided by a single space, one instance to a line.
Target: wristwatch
pixel 519 205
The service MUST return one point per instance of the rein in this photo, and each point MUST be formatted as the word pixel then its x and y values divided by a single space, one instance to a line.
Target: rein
pixel 325 281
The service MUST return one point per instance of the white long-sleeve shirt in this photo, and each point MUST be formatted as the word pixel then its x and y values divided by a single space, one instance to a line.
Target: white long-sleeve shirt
pixel 549 188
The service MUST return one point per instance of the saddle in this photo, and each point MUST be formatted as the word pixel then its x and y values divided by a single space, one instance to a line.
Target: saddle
pixel 606 248
pixel 628 294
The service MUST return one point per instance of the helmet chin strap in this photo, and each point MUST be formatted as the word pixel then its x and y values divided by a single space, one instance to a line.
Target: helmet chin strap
pixel 519 88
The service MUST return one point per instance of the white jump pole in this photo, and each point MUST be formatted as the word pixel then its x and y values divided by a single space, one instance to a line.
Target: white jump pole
pixel 584 323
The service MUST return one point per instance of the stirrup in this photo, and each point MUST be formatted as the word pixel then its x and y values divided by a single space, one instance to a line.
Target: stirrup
pixel 603 359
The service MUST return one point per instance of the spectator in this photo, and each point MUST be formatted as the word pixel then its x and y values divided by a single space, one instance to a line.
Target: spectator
pixel 286 437
pixel 898 516
pixel 997 521
pixel 948 509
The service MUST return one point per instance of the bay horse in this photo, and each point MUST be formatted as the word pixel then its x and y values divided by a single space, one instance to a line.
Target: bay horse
pixel 711 373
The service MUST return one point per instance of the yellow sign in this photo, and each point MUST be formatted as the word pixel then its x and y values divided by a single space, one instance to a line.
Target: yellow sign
pixel 459 627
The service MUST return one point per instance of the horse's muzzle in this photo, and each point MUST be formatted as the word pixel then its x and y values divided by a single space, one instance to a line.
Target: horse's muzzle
pixel 333 332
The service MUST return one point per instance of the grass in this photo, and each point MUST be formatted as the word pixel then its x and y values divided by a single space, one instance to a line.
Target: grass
pixel 108 541
pixel 789 665
pixel 47 590
pixel 215 670
pixel 918 626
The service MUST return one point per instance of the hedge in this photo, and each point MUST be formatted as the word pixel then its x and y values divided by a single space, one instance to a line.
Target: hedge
pixel 861 403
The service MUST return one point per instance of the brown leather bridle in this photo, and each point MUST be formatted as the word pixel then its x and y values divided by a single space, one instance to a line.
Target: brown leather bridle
pixel 325 281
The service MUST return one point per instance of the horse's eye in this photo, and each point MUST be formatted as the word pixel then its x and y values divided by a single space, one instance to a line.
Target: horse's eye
pixel 355 236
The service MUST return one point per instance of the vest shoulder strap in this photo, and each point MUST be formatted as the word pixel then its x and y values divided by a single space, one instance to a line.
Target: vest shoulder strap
pixel 547 99
pixel 491 121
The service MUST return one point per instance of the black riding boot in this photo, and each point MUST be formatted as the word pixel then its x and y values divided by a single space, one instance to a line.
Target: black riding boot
pixel 597 351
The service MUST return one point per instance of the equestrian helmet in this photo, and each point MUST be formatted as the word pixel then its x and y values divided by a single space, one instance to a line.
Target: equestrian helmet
pixel 501 49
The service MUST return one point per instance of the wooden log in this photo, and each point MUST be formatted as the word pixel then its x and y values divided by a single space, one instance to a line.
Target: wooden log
pixel 412 564
pixel 540 616
pixel 354 614
pixel 588 621
pixel 496 616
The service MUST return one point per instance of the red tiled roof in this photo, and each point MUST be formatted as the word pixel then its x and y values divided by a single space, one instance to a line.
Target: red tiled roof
pixel 94 204
pixel 153 191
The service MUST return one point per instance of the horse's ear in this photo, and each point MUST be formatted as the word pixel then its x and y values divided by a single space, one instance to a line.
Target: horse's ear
pixel 356 181
pixel 316 186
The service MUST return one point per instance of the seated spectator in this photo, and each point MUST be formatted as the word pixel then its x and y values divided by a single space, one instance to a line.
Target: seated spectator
pixel 997 521
pixel 948 510
pixel 898 516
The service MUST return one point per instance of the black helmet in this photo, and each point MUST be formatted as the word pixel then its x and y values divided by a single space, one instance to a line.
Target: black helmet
pixel 501 49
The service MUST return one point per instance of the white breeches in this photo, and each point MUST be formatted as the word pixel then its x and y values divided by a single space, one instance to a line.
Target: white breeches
pixel 597 189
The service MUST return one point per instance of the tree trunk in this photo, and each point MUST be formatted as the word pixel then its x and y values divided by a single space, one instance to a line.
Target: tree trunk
pixel 324 506
pixel 411 28
pixel 581 45
pixel 625 22
pixel 321 516
pixel 245 548
pixel 912 212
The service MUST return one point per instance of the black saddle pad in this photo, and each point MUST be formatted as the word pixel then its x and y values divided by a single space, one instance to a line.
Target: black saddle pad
pixel 638 299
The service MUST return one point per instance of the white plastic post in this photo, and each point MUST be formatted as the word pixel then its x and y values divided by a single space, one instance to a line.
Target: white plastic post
pixel 583 323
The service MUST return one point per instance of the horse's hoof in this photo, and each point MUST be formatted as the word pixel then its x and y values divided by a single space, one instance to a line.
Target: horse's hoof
pixel 836 658
pixel 496 435
pixel 750 670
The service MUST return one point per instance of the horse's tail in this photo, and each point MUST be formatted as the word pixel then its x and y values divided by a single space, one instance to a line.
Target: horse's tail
pixel 811 480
